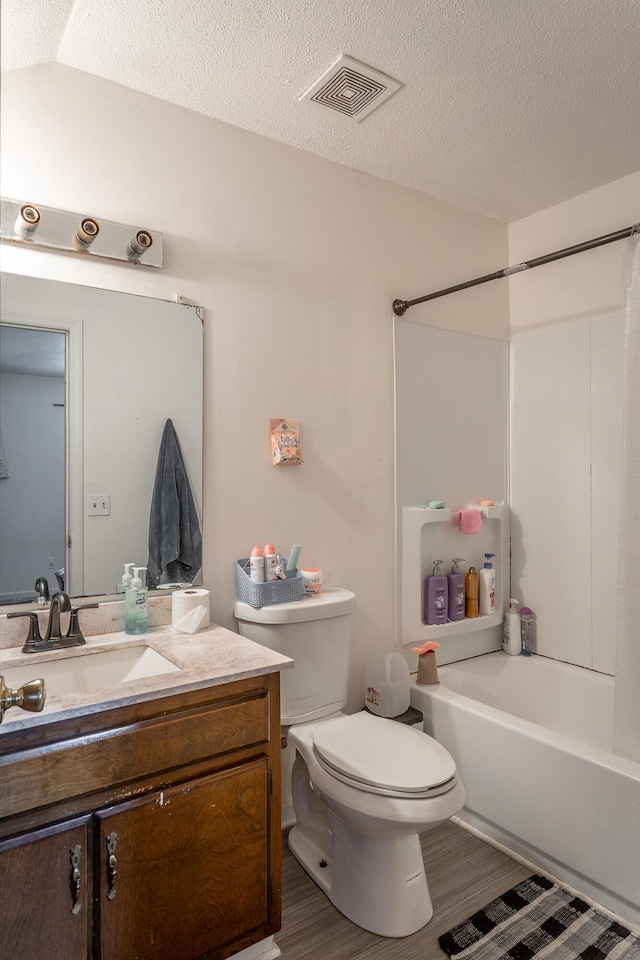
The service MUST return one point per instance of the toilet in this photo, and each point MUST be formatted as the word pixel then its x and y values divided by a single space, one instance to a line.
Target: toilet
pixel 363 787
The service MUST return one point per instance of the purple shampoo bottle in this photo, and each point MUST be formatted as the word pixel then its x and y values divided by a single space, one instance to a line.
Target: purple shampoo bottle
pixel 436 596
pixel 456 590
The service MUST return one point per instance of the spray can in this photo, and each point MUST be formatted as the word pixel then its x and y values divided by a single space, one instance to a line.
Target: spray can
pixel 270 563
pixel 256 566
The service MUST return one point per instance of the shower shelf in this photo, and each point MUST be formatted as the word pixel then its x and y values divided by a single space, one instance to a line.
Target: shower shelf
pixel 413 629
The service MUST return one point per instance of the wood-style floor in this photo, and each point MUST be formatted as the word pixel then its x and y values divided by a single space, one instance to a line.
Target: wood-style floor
pixel 463 873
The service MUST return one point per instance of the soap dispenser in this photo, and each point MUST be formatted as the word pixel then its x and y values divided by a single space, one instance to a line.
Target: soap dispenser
pixel 136 619
pixel 436 596
pixel 125 583
pixel 487 587
pixel 456 590
pixel 511 642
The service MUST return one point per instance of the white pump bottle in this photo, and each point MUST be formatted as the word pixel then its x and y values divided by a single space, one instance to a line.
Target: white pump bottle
pixel 487 587
pixel 127 577
pixel 511 629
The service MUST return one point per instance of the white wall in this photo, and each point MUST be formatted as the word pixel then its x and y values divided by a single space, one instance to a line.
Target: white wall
pixel 566 422
pixel 297 261
pixel 31 521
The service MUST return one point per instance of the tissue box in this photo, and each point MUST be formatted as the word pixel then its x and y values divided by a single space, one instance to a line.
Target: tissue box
pixel 264 594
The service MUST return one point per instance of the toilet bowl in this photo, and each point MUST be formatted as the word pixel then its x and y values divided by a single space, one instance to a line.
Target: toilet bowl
pixel 364 788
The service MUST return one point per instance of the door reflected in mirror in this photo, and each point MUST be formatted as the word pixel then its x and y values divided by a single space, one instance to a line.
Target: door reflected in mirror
pixel 33 430
pixel 88 379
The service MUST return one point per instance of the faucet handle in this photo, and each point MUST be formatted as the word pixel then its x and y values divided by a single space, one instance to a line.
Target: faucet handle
pixel 33 637
pixel 74 632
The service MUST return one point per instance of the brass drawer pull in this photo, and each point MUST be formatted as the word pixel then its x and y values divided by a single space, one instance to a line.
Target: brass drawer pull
pixel 76 877
pixel 112 864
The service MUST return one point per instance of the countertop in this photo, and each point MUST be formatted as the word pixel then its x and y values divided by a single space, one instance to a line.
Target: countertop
pixel 208 658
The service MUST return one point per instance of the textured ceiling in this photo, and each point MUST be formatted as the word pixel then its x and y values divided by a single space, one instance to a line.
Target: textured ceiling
pixel 40 353
pixel 508 106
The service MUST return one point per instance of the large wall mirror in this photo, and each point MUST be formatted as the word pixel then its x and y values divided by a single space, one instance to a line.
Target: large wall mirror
pixel 88 379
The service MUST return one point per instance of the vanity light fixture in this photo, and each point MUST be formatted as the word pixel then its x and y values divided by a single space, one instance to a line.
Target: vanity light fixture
pixel 139 244
pixel 76 233
pixel 27 221
pixel 86 233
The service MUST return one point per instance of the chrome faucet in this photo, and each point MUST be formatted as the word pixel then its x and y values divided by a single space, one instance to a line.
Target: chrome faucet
pixel 42 589
pixel 60 603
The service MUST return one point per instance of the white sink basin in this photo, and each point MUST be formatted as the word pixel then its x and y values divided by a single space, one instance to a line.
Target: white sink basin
pixel 105 668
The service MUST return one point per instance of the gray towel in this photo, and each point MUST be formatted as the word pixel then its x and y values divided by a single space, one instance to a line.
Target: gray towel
pixel 175 540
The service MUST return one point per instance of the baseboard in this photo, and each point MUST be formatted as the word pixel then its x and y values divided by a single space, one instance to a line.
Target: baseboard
pixel 264 950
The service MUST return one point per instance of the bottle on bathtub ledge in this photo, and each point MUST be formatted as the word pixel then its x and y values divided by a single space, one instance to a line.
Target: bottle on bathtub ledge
pixel 436 596
pixel 511 641
pixel 528 636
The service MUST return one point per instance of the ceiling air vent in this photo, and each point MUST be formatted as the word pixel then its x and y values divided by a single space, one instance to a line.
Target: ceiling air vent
pixel 351 88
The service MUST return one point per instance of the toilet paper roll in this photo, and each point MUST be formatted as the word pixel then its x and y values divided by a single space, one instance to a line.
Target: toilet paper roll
pixel 190 610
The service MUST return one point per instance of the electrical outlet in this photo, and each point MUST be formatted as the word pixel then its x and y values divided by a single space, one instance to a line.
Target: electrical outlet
pixel 50 562
pixel 99 505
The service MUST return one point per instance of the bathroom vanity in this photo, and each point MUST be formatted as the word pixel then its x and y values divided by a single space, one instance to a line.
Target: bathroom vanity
pixel 143 820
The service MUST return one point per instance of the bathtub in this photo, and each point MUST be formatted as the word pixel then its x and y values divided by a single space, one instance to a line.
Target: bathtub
pixel 532 740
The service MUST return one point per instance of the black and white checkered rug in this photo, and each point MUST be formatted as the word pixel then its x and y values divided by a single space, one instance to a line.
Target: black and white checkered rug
pixel 539 919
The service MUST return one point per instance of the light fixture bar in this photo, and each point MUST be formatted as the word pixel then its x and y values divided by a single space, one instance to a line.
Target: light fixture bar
pixel 34 225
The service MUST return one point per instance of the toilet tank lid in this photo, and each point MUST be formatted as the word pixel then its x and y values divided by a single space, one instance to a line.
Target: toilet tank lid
pixel 330 602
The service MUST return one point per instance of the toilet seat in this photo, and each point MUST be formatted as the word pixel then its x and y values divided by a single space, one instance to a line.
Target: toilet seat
pixel 381 756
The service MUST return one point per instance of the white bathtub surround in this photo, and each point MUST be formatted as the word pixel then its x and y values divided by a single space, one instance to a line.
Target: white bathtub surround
pixel 567 347
pixel 451 395
pixel 532 739
pixel 626 740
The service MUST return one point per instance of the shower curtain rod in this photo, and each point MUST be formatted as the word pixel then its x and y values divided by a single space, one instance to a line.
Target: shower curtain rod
pixel 400 307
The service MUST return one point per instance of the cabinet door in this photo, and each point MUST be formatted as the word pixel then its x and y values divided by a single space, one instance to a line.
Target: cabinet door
pixel 45 905
pixel 185 870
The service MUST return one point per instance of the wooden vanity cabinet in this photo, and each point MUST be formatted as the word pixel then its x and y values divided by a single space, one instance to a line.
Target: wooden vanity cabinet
pixel 179 852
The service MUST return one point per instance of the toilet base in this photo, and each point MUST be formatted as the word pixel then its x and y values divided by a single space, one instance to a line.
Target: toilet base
pixel 378 883
pixel 363 849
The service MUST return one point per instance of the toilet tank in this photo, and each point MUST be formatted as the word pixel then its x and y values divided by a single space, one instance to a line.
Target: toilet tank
pixel 316 633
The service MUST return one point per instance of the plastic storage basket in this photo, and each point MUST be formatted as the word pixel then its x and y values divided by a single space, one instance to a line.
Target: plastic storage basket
pixel 263 594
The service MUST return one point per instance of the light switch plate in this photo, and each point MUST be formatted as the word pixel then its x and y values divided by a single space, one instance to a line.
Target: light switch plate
pixel 99 505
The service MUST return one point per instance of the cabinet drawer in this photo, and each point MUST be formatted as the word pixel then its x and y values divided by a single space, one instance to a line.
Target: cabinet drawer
pixel 38 777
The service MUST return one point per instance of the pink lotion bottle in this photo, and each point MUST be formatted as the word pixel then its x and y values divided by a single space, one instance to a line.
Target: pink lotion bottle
pixel 436 596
